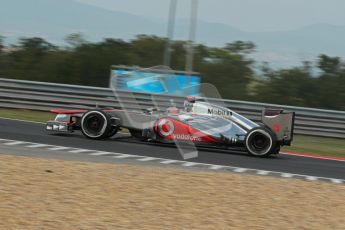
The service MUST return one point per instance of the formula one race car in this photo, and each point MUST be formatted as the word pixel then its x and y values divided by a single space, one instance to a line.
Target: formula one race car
pixel 200 123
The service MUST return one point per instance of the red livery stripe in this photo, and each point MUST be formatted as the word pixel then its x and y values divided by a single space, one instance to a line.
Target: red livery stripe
pixel 67 111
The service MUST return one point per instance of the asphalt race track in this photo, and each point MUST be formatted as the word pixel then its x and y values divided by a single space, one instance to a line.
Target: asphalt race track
pixel 35 132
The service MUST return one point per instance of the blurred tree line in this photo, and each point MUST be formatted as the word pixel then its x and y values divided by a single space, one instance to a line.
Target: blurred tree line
pixel 228 68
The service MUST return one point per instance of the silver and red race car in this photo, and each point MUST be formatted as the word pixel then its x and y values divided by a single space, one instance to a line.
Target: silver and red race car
pixel 199 122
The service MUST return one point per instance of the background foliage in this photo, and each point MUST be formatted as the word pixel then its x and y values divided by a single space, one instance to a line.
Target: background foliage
pixel 228 68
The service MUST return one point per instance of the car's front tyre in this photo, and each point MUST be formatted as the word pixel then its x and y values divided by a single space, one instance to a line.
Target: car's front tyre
pixel 96 124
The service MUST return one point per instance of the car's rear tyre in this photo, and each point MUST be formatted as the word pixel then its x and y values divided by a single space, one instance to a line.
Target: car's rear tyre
pixel 96 124
pixel 137 134
pixel 261 142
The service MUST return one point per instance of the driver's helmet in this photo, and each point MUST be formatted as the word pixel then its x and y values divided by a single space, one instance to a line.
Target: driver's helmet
pixel 188 103
pixel 190 99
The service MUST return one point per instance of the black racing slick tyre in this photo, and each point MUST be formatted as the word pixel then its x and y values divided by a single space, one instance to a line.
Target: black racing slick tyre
pixel 261 142
pixel 137 134
pixel 112 132
pixel 96 124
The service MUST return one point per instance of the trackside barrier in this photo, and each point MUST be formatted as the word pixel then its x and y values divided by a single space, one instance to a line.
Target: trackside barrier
pixel 44 96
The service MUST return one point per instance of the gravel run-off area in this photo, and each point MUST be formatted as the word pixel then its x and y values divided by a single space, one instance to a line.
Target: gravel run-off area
pixel 53 194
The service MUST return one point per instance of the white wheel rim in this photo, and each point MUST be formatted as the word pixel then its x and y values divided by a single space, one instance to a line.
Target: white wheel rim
pixel 264 133
pixel 103 128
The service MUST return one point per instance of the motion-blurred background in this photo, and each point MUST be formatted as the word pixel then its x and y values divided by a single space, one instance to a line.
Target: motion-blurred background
pixel 283 52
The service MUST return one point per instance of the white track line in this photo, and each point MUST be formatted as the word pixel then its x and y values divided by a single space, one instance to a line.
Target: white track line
pixel 147 159
pixel 169 161
pixel 262 172
pixel 240 170
pixel 184 163
pixel 287 175
pixel 216 167
pixel 12 119
pixel 101 153
pixel 79 151
pixel 125 156
pixel 312 178
pixel 37 145
pixel 337 181
pixel 59 148
pixel 15 143
pixel 188 164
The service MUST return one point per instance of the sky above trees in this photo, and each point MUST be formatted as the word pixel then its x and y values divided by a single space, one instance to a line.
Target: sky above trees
pixel 270 24
pixel 250 15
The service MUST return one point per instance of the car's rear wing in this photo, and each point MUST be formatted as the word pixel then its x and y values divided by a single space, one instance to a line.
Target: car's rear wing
pixel 281 123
